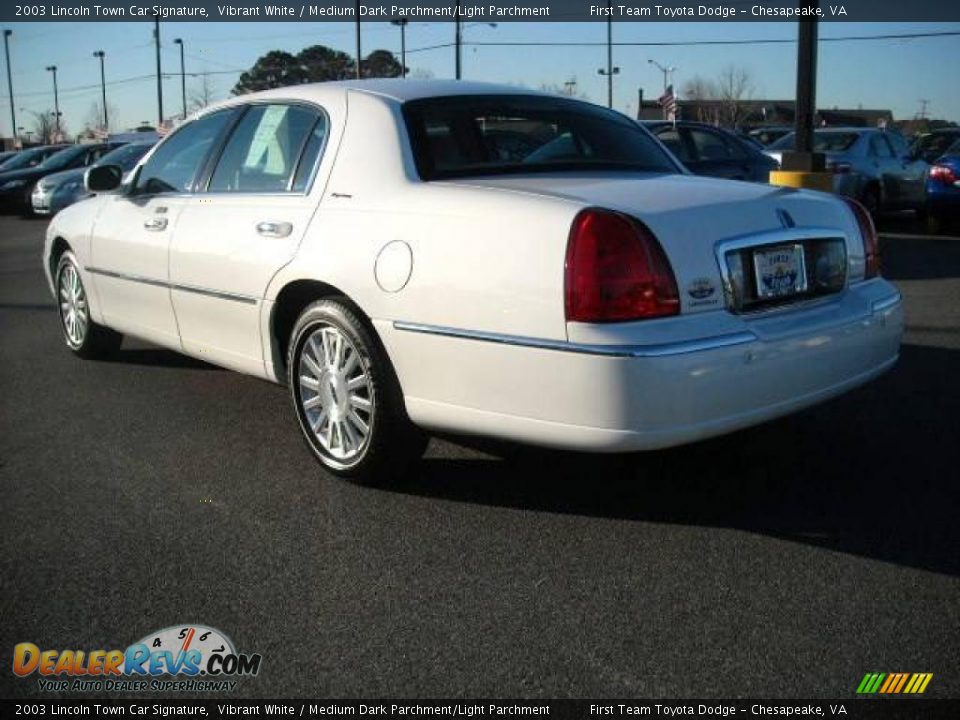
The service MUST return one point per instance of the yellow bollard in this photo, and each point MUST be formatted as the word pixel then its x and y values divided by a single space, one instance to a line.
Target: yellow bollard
pixel 811 180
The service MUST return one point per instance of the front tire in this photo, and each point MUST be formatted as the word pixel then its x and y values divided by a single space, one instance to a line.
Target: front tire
pixel 346 398
pixel 84 337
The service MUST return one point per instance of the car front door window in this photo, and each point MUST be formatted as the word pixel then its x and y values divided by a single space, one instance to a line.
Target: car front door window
pixel 177 162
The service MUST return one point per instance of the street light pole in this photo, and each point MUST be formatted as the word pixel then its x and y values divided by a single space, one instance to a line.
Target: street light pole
pixel 402 24
pixel 183 77
pixel 103 89
pixel 667 72
pixel 56 99
pixel 610 70
pixel 156 42
pixel 13 113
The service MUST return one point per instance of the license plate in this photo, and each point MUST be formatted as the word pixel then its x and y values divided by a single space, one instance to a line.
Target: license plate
pixel 780 271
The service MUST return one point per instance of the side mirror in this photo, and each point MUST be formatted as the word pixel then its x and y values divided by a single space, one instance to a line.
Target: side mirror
pixel 103 178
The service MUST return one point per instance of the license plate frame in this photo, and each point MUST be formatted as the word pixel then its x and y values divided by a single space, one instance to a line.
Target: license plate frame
pixel 780 271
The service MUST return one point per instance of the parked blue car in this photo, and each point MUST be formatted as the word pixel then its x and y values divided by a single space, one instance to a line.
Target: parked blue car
pixel 713 151
pixel 943 188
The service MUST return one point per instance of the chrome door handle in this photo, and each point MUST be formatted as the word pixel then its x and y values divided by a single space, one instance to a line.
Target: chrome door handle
pixel 155 223
pixel 274 229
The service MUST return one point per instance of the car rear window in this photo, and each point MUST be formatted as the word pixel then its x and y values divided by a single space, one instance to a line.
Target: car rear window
pixel 474 135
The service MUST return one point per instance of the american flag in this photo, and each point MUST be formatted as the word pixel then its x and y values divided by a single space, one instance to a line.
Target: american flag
pixel 668 101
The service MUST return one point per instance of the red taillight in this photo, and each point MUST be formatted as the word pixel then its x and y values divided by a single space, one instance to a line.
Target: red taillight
pixel 871 245
pixel 944 174
pixel 616 271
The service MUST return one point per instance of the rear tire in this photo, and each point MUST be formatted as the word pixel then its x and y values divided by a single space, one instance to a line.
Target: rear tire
pixel 83 336
pixel 346 397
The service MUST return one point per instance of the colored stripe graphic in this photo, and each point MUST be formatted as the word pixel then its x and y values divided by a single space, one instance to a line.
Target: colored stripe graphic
pixel 903 680
pixel 894 683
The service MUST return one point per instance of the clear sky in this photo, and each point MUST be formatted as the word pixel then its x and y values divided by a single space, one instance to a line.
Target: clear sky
pixel 894 74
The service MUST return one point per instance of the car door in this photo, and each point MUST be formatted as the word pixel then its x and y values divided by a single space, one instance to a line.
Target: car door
pixel 242 228
pixel 716 156
pixel 130 244
pixel 888 169
pixel 912 173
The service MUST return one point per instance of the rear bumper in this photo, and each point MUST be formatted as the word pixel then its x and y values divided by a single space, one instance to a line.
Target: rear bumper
pixel 614 398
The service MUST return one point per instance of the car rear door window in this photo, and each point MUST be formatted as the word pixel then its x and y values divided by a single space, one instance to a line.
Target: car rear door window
pixel 264 151
pixel 880 147
pixel 177 161
pixel 670 137
pixel 711 146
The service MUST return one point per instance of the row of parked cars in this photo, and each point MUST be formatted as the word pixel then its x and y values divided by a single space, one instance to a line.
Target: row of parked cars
pixel 881 169
pixel 43 180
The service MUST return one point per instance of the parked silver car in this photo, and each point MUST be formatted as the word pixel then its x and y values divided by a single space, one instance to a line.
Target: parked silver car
pixel 55 192
pixel 868 164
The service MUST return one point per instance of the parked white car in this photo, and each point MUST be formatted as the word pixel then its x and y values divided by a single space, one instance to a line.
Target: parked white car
pixel 473 258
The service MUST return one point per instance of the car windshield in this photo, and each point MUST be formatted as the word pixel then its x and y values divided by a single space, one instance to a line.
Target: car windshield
pixel 473 135
pixel 25 159
pixel 62 159
pixel 823 141
pixel 126 156
pixel 930 147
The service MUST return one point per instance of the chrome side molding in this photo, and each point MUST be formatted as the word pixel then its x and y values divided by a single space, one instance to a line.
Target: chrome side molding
pixel 626 351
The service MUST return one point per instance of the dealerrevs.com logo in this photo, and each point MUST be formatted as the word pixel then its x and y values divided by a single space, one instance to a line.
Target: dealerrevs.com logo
pixel 178 658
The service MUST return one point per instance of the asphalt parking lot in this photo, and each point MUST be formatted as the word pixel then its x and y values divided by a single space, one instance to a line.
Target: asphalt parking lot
pixel 783 561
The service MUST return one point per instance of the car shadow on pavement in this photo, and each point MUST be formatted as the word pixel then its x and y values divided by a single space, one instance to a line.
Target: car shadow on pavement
pixel 873 473
pixel 159 357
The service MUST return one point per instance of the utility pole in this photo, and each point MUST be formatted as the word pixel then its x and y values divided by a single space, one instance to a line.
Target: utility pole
pixel 457 42
pixel 56 101
pixel 156 42
pixel 359 54
pixel 611 70
pixel 183 77
pixel 103 88
pixel 13 113
pixel 922 115
pixel 402 24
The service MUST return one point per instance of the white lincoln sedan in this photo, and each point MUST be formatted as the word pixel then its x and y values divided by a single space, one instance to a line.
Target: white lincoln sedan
pixel 408 256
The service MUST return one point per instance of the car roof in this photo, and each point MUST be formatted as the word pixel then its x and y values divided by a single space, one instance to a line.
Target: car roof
pixel 395 89
pixel 685 123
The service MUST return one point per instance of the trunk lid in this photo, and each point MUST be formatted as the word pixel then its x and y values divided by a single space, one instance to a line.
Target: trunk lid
pixel 688 214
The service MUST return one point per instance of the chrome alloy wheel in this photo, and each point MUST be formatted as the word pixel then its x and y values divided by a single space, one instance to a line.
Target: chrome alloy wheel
pixel 73 306
pixel 336 394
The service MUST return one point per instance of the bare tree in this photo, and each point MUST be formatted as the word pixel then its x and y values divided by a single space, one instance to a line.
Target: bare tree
pixel 734 89
pixel 204 92
pixel 94 117
pixel 45 127
pixel 703 93
pixel 421 74
pixel 567 89
pixel 699 88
